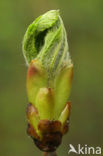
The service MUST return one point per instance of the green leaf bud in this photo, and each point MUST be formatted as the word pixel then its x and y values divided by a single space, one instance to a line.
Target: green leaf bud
pixel 49 80
pixel 46 40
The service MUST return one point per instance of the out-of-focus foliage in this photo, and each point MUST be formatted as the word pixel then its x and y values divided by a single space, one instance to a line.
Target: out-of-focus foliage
pixel 84 24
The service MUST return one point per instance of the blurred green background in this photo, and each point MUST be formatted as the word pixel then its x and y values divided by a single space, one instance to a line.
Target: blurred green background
pixel 83 20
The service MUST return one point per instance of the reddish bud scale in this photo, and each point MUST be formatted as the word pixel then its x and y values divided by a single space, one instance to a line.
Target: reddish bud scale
pixel 52 131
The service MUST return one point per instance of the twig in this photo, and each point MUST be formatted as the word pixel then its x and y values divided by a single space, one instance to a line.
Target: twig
pixel 50 154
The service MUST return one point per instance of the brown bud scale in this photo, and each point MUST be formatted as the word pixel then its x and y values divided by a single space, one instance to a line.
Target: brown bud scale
pixel 51 131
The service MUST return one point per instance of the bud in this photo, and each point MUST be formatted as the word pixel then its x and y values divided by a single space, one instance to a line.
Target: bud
pixel 49 80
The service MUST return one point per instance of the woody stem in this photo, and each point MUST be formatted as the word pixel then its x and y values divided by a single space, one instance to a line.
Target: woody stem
pixel 49 154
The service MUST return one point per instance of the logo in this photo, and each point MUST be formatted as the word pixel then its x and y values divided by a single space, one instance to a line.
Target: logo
pixel 84 150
